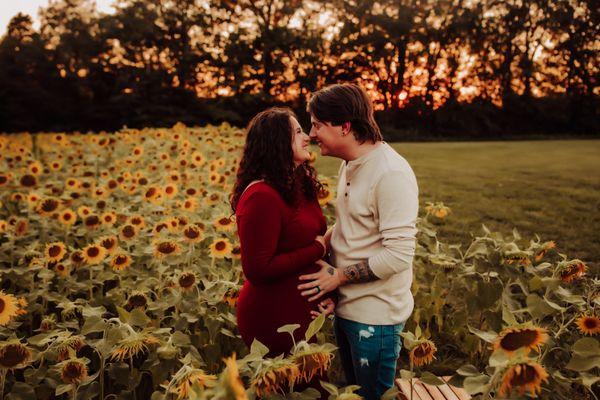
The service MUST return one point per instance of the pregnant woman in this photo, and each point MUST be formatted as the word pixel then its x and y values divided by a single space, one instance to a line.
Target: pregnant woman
pixel 280 226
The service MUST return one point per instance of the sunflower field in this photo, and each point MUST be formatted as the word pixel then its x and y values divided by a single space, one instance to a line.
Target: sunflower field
pixel 120 270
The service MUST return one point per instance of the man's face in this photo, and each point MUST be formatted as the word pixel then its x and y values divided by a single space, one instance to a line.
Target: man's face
pixel 328 137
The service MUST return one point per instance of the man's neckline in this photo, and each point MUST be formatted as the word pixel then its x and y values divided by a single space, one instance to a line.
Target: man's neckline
pixel 360 160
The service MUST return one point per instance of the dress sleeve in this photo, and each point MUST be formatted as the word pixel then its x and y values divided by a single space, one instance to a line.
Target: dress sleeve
pixel 259 225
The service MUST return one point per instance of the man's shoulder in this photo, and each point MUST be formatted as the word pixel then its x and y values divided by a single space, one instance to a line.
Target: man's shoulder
pixel 389 160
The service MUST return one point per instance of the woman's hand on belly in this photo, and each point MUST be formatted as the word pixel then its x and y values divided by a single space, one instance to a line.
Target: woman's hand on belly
pixel 325 307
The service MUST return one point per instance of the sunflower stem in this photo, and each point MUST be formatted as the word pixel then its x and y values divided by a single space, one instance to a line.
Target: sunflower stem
pixel 2 379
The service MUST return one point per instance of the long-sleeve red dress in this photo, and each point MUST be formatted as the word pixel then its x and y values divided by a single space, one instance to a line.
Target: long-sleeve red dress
pixel 277 246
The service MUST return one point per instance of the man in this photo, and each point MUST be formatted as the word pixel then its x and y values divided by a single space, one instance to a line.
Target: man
pixel 372 242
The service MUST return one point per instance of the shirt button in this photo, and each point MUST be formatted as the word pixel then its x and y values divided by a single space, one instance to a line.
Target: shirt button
pixel 348 184
pixel 346 194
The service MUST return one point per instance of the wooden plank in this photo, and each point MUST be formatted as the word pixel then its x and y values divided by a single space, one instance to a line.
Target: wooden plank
pixel 449 393
pixel 404 386
pixel 420 389
pixel 460 393
pixel 434 392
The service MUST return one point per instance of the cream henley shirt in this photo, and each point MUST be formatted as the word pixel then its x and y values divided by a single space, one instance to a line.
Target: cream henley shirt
pixel 376 212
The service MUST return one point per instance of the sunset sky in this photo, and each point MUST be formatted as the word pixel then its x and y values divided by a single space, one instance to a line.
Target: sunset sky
pixel 9 8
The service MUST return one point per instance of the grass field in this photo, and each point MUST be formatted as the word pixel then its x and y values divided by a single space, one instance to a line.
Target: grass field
pixel 551 188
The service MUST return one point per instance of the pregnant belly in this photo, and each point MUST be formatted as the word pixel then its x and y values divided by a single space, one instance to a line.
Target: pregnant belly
pixel 261 310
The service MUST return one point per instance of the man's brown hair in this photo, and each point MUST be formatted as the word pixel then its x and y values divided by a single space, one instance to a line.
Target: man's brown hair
pixel 347 102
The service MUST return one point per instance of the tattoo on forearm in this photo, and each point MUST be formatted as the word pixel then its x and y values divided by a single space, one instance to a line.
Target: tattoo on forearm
pixel 359 273
pixel 331 271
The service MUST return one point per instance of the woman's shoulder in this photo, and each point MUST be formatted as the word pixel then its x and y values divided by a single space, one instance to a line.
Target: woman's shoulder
pixel 259 191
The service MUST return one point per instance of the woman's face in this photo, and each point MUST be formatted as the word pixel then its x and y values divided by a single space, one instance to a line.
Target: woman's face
pixel 300 142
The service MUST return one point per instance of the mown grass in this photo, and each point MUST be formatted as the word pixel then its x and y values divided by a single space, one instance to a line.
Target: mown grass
pixel 549 188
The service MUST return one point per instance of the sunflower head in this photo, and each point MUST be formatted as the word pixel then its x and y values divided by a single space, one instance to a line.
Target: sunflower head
pixel 55 251
pixel 166 248
pixel 422 353
pixel 224 223
pixel 313 361
pixel 62 347
pixel 325 196
pixel 14 355
pixel 569 271
pixel 523 376
pixel 187 281
pixel 543 249
pixel 588 324
pixel 120 261
pixel 231 296
pixel 220 248
pixel 188 377
pixel 9 308
pixel 135 344
pixel 275 376
pixel 128 232
pixel 93 254
pixel 73 371
pixel 137 300
pixel 526 336
pixel 110 243
pixel 231 378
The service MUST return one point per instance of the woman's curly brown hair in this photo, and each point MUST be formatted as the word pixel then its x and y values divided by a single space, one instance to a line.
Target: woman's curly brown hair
pixel 268 155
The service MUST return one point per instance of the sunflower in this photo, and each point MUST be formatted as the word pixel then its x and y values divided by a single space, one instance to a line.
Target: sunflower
pixel 133 345
pixel 213 198
pixel 61 270
pixel 73 371
pixel 120 261
pixel 152 193
pixel 32 200
pixel 423 353
pixel 437 210
pixel 55 251
pixel 47 207
pixel 137 300
pixel 236 252
pixel 197 158
pixel 74 343
pixel 110 243
pixel 186 378
pixel 93 254
pixel 170 190
pixel 3 226
pixel 523 376
pixel 92 221
pixel 128 232
pixel 28 180
pixel 165 248
pixel 189 204
pixel 72 183
pixel 14 355
pixel 138 151
pixel 137 221
pixel 187 281
pixel 67 217
pixel 517 258
pixel 48 323
pixel 275 376
pixel 231 296
pixel 233 383
pixel 21 227
pixel 324 196
pixel 4 179
pixel 220 248
pixel 108 218
pixel 172 224
pixel 588 324
pixel 9 308
pixel 193 234
pixel 571 270
pixel 77 258
pixel 544 248
pixel 516 337
pixel 84 211
pixel 312 362
pixel 224 224
pixel 35 168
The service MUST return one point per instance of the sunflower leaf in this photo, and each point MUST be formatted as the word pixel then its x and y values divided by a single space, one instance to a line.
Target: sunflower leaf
pixel 431 379
pixel 488 336
pixel 314 327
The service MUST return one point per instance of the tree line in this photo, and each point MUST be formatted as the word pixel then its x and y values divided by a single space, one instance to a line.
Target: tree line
pixel 436 68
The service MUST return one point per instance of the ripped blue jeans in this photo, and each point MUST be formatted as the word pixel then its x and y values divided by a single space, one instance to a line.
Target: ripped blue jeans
pixel 368 355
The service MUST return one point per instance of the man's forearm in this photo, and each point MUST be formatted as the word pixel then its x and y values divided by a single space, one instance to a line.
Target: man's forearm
pixel 357 273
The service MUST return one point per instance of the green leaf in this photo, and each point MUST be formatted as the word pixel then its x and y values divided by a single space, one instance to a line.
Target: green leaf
pixel 390 394
pixel 587 347
pixel 498 358
pixel 289 328
pixel 139 318
pixel 314 327
pixel 406 374
pixel 476 384
pixel 488 336
pixel 588 380
pixel 124 315
pixel 468 370
pixel 431 379
pixel 93 324
pixel 331 388
pixel 64 388
pixel 258 348
pixel 537 307
pixel 586 355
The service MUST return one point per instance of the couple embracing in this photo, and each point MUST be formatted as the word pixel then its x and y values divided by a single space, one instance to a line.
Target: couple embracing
pixel 359 269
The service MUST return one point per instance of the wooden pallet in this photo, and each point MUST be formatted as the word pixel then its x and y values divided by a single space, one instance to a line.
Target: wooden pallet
pixel 423 391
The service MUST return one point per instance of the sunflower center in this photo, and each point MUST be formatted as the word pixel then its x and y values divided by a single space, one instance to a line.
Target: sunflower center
pixel 166 248
pixel 108 243
pixel 590 323
pixel 73 370
pixel 422 350
pixel 12 355
pixel 92 220
pixel 515 340
pixel 137 300
pixel 2 305
pixel 128 231
pixel 224 221
pixel 220 246
pixel 121 259
pixel 54 251
pixel 187 280
pixel 67 217
pixel 49 205
pixel 76 257
pixel 28 180
pixel 192 233
pixel 93 251
pixel 3 179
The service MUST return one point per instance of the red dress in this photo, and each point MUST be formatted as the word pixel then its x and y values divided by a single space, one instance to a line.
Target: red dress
pixel 277 246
